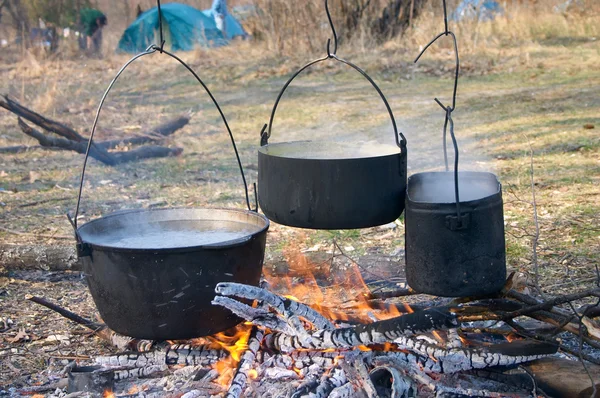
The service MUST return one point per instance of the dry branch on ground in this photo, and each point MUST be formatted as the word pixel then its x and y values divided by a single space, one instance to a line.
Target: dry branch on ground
pixel 73 141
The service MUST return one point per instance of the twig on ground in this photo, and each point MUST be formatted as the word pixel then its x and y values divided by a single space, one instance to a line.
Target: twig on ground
pixel 99 329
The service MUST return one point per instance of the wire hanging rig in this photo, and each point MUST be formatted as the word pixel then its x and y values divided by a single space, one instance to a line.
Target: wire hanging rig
pixel 151 50
pixel 446 32
pixel 265 132
pixel 449 109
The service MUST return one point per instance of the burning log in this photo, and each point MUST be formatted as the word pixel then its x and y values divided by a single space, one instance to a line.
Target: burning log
pixel 457 359
pixel 246 362
pixel 172 355
pixel 282 305
pixel 374 333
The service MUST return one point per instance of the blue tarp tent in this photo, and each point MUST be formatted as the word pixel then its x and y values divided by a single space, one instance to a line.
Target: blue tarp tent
pixel 484 10
pixel 184 29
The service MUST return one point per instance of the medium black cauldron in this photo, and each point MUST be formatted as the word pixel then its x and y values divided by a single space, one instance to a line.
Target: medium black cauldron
pixel 331 185
pixel 450 254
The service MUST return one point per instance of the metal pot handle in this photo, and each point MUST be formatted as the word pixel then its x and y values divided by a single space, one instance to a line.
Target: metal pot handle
pixel 265 133
pixel 150 50
pixel 461 220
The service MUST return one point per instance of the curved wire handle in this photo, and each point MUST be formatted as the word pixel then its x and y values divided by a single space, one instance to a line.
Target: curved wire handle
pixel 150 50
pixel 450 108
pixel 265 133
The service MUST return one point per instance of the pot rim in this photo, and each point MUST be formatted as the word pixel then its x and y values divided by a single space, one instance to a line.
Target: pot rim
pixel 393 151
pixel 492 196
pixel 168 250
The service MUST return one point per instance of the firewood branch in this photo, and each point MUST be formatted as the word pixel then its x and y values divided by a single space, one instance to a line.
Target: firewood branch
pixel 72 140
pixel 98 153
pixel 99 329
pixel 39 120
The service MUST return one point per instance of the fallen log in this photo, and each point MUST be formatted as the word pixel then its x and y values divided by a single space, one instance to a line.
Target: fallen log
pixel 562 378
pixel 39 120
pixel 238 384
pixel 101 155
pixel 39 257
pixel 73 145
pixel 156 134
pixel 74 141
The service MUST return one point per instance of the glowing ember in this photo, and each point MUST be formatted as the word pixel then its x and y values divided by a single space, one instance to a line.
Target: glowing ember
pixel 253 374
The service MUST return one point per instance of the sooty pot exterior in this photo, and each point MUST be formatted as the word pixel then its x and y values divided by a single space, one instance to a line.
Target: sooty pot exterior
pixel 450 257
pixel 331 193
pixel 166 294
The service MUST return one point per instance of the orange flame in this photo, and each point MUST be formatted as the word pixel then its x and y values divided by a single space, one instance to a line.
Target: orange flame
pixel 235 341
pixel 108 394
pixel 345 297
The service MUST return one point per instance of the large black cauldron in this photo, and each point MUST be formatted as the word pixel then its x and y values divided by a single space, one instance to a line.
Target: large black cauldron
pixel 153 273
pixel 148 278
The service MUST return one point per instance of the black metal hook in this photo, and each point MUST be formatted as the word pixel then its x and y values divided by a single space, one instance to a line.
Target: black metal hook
pixel 446 32
pixel 160 28
pixel 449 109
pixel 335 38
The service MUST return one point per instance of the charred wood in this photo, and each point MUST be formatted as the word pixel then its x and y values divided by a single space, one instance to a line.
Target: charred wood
pixel 329 381
pixel 375 333
pixel 145 371
pixel 393 382
pixel 284 306
pixel 198 356
pixel 457 359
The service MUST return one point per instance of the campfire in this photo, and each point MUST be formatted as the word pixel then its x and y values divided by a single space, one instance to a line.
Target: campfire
pixel 320 331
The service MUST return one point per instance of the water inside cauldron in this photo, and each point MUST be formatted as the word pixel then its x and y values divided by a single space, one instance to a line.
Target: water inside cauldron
pixel 173 234
pixel 439 187
pixel 328 150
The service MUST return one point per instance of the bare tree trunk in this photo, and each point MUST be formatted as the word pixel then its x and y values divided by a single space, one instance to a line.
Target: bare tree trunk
pixel 20 19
